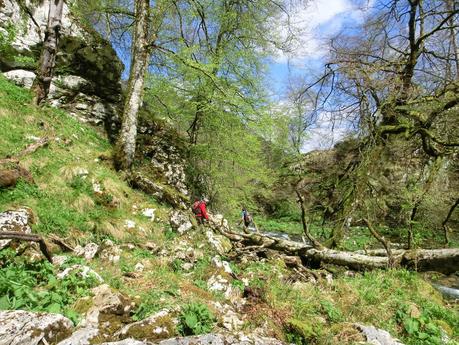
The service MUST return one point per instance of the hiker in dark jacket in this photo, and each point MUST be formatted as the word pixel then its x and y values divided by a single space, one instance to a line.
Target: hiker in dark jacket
pixel 200 210
pixel 246 218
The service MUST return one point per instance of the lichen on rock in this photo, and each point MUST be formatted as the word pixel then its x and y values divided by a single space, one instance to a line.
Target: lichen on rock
pixel 20 327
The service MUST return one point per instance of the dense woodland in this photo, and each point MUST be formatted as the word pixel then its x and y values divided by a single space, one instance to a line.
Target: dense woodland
pixel 383 199
pixel 392 80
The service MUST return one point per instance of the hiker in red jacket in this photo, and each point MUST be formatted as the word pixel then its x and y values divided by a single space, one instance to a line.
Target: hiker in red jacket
pixel 199 209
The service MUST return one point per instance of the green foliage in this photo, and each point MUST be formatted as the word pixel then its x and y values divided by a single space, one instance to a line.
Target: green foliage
pixel 81 185
pixel 6 39
pixel 419 329
pixel 194 319
pixel 151 303
pixel 176 265
pixel 300 332
pixel 53 217
pixel 33 286
pixel 238 284
pixel 333 313
pixel 286 225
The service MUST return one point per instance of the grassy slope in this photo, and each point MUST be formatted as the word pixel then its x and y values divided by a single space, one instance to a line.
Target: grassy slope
pixel 304 313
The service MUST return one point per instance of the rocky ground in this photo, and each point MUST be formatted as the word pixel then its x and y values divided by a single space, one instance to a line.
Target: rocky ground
pixel 107 314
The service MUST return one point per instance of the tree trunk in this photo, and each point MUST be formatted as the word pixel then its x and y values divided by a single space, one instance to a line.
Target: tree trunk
pixel 47 62
pixel 305 224
pixel 441 260
pixel 382 240
pixel 453 37
pixel 448 216
pixel 134 95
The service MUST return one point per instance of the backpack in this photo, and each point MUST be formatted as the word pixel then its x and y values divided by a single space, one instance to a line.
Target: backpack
pixel 247 217
pixel 195 208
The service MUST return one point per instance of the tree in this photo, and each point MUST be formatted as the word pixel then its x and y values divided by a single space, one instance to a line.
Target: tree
pixel 139 63
pixel 147 23
pixel 47 60
pixel 209 83
pixel 394 79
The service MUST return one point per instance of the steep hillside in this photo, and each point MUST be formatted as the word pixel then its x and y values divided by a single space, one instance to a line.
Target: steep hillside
pixel 126 269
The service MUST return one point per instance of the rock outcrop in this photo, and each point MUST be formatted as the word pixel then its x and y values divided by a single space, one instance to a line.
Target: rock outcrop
pixel 18 327
pixel 87 84
pixel 377 336
pixel 88 71
pixel 158 326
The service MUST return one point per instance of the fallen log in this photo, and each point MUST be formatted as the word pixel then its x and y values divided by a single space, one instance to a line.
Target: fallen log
pixel 440 260
pixel 257 239
pixel 10 235
pixel 379 252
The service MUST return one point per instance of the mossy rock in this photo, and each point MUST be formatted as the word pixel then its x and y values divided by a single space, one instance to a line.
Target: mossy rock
pixel 82 305
pixel 445 327
pixel 162 327
pixel 346 333
pixel 307 329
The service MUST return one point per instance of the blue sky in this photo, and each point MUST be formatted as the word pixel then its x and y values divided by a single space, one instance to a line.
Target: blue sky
pixel 314 23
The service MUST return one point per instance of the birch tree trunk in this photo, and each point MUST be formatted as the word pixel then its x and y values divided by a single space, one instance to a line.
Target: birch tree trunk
pixel 134 96
pixel 47 61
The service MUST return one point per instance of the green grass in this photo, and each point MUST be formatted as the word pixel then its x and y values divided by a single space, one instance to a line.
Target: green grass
pixel 390 300
pixel 62 200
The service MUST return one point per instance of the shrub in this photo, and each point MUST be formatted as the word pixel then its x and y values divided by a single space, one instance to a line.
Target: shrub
pixel 195 318
pixel 33 286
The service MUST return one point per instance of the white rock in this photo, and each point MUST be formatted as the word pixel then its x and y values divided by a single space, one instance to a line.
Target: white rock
pixel 18 327
pixel 127 342
pixel 187 266
pixel 82 172
pixel 20 77
pixel 108 243
pixel 83 336
pixel 59 260
pixel 218 263
pixel 222 339
pixel 96 187
pixel 129 224
pixel 89 251
pixel 154 322
pixel 139 267
pixel 232 322
pixel 217 283
pixel 149 213
pixel 377 336
pixel 72 82
pixel 111 252
pixel 83 271
pixel 220 243
pixel 219 220
pixel 16 220
pixel 180 221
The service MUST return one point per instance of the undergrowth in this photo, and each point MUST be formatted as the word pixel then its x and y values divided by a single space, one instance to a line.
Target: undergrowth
pixel 33 286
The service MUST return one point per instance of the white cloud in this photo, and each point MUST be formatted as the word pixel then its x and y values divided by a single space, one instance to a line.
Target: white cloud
pixel 311 24
pixel 325 133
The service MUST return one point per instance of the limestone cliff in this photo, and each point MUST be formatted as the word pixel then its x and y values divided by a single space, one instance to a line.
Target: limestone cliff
pixel 88 72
